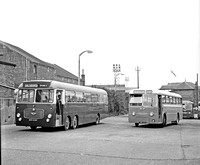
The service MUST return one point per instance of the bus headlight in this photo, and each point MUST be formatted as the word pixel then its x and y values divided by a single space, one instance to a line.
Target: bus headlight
pixel 151 114
pixel 20 119
pixel 49 116
pixel 133 114
pixel 18 115
pixel 47 120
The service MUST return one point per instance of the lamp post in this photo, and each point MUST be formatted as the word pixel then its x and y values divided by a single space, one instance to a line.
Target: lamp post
pixel 88 51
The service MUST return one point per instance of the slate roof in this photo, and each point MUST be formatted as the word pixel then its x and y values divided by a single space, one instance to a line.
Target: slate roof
pixel 179 86
pixel 59 71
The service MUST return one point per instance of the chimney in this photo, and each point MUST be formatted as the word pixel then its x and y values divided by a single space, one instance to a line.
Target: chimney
pixel 83 77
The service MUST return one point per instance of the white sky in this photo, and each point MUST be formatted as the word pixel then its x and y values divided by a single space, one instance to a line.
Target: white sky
pixel 156 35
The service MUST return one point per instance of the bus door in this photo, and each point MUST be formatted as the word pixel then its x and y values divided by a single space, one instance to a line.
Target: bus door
pixel 159 106
pixel 59 107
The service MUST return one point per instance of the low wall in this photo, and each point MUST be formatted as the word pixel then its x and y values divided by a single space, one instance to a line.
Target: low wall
pixel 7 107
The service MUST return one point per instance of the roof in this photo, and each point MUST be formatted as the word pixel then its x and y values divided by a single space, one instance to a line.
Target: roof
pixel 179 86
pixel 59 71
pixel 159 92
pixel 72 87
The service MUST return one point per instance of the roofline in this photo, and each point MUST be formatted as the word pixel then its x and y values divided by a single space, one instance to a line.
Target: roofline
pixel 63 85
pixel 160 92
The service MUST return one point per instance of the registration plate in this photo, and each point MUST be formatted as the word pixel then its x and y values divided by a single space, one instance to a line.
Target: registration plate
pixel 32 119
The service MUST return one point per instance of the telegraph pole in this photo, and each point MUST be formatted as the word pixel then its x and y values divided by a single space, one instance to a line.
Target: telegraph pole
pixel 137 69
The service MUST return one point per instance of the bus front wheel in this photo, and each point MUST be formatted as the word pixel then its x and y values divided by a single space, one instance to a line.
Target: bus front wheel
pixel 75 122
pixel 67 124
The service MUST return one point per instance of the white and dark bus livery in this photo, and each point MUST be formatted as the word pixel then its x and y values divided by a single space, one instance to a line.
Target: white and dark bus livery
pixel 47 103
pixel 154 107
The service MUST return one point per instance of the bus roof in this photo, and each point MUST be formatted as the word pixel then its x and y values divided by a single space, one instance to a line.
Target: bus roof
pixel 62 85
pixel 159 92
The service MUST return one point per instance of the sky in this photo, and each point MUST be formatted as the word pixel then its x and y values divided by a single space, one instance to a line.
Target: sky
pixel 160 37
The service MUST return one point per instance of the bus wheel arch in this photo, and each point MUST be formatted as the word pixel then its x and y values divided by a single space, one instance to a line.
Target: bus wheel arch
pixel 67 123
pixel 75 122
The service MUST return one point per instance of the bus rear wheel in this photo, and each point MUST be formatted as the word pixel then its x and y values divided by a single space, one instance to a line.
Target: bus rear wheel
pixel 75 122
pixel 67 124
pixel 177 119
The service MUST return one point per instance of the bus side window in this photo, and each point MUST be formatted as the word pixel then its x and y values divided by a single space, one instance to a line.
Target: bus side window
pixel 87 97
pixel 94 98
pixel 69 96
pixel 163 99
pixel 79 97
pixel 167 99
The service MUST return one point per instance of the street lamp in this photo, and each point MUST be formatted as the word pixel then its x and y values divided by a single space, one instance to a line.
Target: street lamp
pixel 86 51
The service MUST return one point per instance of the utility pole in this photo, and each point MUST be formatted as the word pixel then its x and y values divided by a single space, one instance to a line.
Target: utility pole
pixel 137 69
pixel 197 92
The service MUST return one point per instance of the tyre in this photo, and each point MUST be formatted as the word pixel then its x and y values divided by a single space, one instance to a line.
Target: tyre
pixel 67 124
pixel 33 128
pixel 75 122
pixel 177 119
pixel 136 124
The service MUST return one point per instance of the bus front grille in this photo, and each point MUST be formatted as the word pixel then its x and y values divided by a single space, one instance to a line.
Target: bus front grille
pixel 31 113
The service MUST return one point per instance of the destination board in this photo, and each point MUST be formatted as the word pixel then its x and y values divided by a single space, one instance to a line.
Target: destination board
pixel 36 84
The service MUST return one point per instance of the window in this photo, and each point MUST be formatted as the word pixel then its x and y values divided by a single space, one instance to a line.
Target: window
pixel 35 69
pixel 136 100
pixel 173 100
pixel 105 99
pixel 26 95
pixel 87 97
pixel 45 95
pixel 149 100
pixel 163 99
pixel 170 99
pixel 79 96
pixel 69 96
pixel 94 97
pixel 167 99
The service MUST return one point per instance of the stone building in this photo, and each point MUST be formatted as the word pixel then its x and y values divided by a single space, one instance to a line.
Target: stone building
pixel 18 65
pixel 186 89
pixel 7 79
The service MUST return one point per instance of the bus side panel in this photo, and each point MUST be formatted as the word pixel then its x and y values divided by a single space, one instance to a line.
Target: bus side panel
pixel 171 112
pixel 35 115
pixel 75 109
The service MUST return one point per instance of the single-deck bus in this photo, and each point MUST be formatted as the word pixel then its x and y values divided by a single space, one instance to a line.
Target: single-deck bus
pixel 154 107
pixel 188 111
pixel 47 103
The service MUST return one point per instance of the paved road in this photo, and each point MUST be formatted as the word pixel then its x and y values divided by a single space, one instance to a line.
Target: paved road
pixel 114 141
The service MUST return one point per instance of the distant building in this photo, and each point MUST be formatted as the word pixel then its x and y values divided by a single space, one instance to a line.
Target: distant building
pixel 185 89
pixel 18 65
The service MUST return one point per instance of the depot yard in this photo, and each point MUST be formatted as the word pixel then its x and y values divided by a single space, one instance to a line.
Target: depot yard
pixel 114 141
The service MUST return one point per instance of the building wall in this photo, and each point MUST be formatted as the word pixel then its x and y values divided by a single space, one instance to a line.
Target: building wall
pixel 186 94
